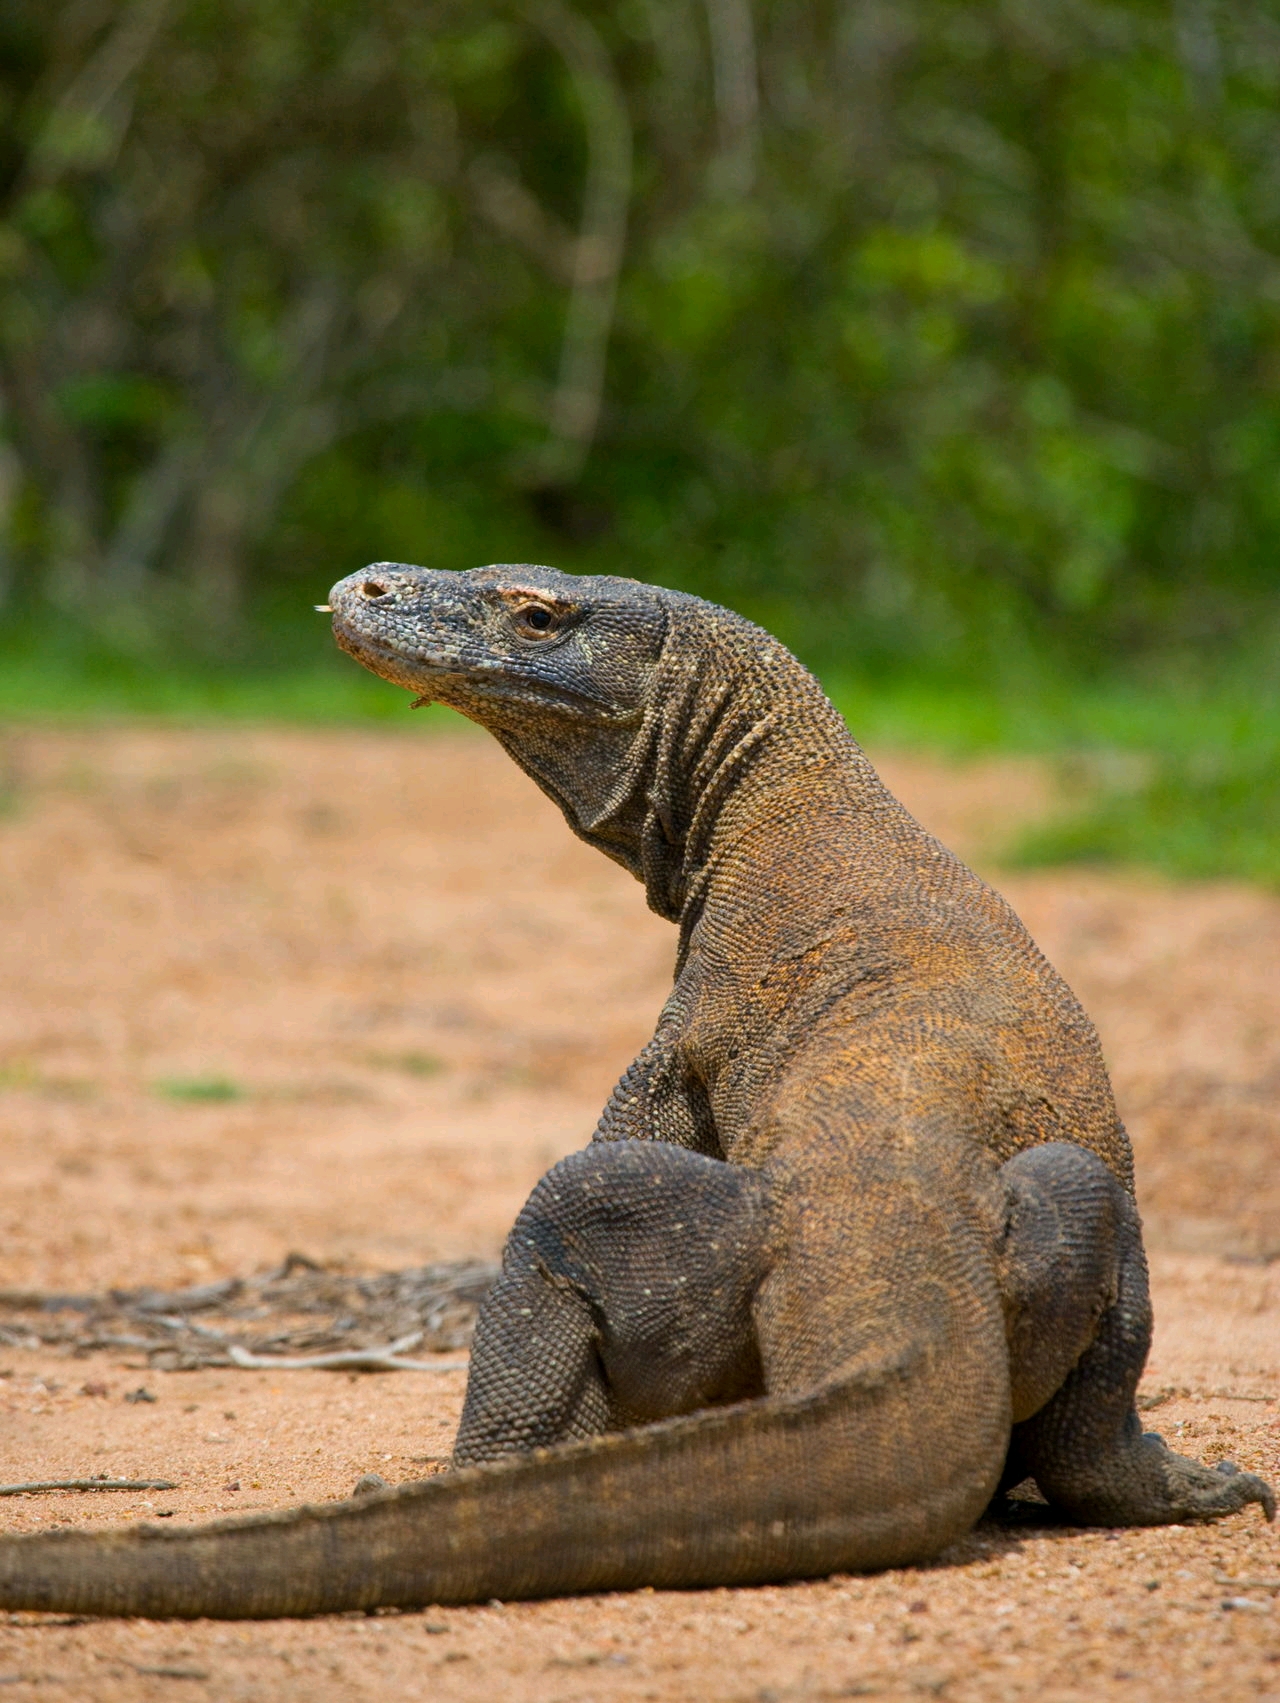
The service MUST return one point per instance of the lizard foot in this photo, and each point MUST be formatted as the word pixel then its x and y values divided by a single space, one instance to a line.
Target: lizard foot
pixel 1142 1482
pixel 1073 1267
pixel 1207 1493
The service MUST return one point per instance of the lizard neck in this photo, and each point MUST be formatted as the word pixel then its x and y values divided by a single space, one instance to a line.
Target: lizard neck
pixel 733 731
pixel 742 731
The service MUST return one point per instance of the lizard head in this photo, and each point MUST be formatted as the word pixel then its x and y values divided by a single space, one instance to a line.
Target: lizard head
pixel 506 645
pixel 560 668
pixel 631 706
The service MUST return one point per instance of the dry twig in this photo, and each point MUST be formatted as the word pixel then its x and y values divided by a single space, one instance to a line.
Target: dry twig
pixel 350 1360
pixel 299 1312
pixel 38 1484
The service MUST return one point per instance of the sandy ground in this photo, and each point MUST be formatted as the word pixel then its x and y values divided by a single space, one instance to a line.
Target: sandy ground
pixel 419 990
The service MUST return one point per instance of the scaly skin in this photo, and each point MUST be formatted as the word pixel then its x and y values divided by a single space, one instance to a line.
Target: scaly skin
pixel 855 1242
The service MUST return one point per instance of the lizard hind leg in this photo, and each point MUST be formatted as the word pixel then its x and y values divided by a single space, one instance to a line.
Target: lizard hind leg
pixel 1074 1278
pixel 625 1297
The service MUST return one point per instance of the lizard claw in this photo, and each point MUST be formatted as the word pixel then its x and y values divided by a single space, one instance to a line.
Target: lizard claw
pixel 1206 1493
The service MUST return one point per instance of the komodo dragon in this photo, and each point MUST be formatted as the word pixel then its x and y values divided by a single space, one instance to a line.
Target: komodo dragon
pixel 854 1245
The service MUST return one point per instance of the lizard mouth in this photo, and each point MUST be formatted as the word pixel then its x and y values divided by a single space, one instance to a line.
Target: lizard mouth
pixel 430 674
pixel 416 672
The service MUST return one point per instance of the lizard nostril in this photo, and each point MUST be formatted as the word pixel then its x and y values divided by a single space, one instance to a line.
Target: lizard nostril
pixel 373 588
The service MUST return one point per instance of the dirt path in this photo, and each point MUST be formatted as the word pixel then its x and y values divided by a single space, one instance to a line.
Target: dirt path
pixel 351 993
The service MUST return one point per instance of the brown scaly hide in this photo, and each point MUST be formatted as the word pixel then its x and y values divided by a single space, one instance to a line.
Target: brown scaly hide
pixel 855 1242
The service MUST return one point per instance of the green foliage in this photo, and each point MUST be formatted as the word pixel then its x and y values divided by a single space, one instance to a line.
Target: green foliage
pixel 936 333
pixel 942 338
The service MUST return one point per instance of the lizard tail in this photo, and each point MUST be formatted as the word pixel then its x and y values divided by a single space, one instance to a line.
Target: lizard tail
pixel 850 1477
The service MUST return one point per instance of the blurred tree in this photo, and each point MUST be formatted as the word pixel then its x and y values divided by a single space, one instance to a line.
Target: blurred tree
pixel 903 325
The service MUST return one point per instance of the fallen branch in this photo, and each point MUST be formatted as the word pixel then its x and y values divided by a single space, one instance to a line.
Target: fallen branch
pixel 39 1484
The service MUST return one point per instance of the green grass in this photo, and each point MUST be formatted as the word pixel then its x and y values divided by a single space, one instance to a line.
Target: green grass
pixel 47 685
pixel 411 1063
pixel 1218 815
pixel 1179 777
pixel 197 1090
pixel 1051 715
pixel 1179 772
pixel 41 683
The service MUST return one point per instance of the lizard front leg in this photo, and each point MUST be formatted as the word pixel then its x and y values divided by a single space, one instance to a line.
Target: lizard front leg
pixel 625 1296
pixel 659 1098
pixel 1079 1320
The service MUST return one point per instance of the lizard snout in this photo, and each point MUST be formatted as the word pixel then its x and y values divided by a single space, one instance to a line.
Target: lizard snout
pixel 410 625
pixel 380 583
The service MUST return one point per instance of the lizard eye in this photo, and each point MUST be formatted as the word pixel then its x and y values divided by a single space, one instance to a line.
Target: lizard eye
pixel 534 618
